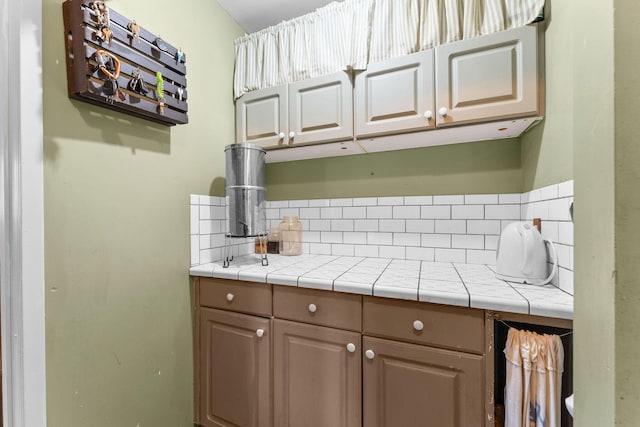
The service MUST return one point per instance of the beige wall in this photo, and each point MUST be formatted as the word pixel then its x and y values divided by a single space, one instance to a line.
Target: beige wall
pixel 472 168
pixel 547 149
pixel 118 318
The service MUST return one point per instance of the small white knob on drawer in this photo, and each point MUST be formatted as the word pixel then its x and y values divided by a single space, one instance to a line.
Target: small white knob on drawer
pixel 260 332
pixel 443 111
pixel 351 347
pixel 418 325
pixel 281 135
pixel 369 354
pixel 428 115
pixel 229 297
pixel 312 308
pixel 292 134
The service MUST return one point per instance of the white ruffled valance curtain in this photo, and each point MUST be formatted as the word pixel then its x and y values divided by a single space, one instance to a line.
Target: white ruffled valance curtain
pixel 351 34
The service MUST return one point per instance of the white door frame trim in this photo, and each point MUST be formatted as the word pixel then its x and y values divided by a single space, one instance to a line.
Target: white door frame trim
pixel 21 214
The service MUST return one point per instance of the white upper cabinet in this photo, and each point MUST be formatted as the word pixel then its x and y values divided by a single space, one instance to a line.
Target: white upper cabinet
pixel 320 109
pixel 395 96
pixel 261 117
pixel 492 77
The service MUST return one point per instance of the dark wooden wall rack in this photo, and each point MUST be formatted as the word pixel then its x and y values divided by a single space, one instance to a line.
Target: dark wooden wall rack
pixel 149 55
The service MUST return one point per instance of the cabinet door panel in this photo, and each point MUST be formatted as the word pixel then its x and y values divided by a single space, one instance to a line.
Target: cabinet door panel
pixel 317 381
pixel 235 370
pixel 394 95
pixel 412 385
pixel 488 78
pixel 261 117
pixel 321 110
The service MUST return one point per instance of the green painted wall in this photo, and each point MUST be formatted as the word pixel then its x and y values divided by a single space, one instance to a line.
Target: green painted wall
pixel 472 168
pixel 591 30
pixel 627 173
pixel 118 317
pixel 547 149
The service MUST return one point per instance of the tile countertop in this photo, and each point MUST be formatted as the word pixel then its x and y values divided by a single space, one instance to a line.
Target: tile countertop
pixel 466 285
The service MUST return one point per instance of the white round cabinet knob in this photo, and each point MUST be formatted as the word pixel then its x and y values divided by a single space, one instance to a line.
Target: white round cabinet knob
pixel 369 354
pixel 312 308
pixel 418 325
pixel 443 111
pixel 292 134
pixel 281 135
pixel 260 332
pixel 230 297
pixel 351 347
pixel 428 115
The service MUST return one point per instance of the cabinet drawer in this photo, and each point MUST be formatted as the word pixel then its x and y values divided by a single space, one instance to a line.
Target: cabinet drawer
pixel 245 297
pixel 423 323
pixel 324 308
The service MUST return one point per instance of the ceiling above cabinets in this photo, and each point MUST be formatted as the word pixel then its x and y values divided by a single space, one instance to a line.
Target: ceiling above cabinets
pixel 254 15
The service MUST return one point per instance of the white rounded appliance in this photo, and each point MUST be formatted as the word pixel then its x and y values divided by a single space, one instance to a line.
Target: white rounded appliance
pixel 522 255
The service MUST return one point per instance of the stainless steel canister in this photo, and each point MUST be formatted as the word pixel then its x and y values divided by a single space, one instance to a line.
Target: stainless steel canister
pixel 246 190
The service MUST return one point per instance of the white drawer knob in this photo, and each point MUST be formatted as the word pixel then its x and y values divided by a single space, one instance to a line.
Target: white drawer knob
pixel 312 308
pixel 418 325
pixel 351 347
pixel 281 135
pixel 443 111
pixel 369 354
pixel 292 134
pixel 259 332
pixel 428 115
pixel 229 297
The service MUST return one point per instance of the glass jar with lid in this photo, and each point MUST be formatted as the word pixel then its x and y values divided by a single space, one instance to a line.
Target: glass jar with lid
pixel 290 236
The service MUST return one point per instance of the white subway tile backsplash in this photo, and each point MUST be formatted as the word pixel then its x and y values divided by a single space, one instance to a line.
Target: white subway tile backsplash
pixel 487 226
pixel 394 252
pixel 309 213
pixel 448 200
pixel 482 199
pixel 207 256
pixel 559 209
pixel 319 203
pixel 194 199
pixel 406 212
pixel 331 237
pixel 390 201
pixel 467 212
pixel 359 212
pixel 279 204
pixel 550 230
pixel 320 225
pixel 406 239
pixel 467 241
pixel 311 236
pixel 566 280
pixel 342 250
pixel 420 225
pixel 379 238
pixel 509 199
pixel 421 254
pixel 391 225
pixel 341 225
pixel 366 225
pixel 298 203
pixel 564 256
pixel 205 212
pixel 206 200
pixel 435 212
pixel 565 233
pixel 272 213
pixel 331 213
pixel 502 212
pixel 436 240
pixel 549 192
pixel 217 240
pixel 450 255
pixel 320 248
pixel 205 241
pixel 491 242
pixel 418 200
pixel 366 251
pixel 378 212
pixel 206 227
pixel 541 209
pixel 194 218
pixel 218 212
pixel 481 257
pixel 365 201
pixel 195 250
pixel 289 212
pixel 355 238
pixel 457 226
pixel 341 202
pixel 565 189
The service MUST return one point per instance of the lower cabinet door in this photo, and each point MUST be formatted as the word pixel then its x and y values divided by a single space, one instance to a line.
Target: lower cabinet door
pixel 317 375
pixel 412 385
pixel 235 369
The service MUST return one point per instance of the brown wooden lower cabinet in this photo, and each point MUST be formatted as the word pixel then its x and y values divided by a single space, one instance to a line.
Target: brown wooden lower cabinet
pixel 235 369
pixel 317 374
pixel 413 385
